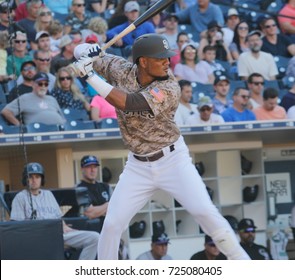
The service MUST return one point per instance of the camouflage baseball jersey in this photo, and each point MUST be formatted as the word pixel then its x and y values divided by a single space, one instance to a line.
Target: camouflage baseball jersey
pixel 143 132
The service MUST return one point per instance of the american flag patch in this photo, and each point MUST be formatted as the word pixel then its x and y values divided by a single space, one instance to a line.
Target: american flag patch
pixel 158 94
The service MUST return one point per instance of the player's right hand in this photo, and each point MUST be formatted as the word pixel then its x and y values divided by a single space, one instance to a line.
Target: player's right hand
pixel 94 50
pixel 84 66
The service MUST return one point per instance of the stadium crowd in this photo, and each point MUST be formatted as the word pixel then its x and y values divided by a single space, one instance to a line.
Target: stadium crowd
pixel 239 54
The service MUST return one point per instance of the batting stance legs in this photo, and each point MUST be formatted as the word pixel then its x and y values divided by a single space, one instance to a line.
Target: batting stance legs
pixel 175 174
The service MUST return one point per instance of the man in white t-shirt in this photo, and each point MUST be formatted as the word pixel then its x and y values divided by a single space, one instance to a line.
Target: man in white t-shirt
pixel 256 60
pixel 206 115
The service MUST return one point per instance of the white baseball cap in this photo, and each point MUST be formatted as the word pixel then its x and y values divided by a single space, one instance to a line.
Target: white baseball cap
pixel 131 6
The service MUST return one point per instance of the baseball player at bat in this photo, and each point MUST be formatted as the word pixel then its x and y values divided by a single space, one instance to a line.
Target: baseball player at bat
pixel 146 95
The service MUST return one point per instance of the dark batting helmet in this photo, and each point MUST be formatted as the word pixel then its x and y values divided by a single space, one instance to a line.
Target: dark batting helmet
pixel 250 193
pixel 232 221
pixel 151 45
pixel 137 229
pixel 33 168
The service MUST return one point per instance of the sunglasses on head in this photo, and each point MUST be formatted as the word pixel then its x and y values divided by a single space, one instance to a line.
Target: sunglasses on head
pixel 20 41
pixel 65 78
pixel 44 84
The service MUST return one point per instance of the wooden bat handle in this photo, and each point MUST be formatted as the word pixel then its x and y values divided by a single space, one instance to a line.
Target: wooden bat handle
pixel 127 30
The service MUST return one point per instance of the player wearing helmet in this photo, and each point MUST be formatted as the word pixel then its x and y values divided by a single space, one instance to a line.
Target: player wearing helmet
pixel 146 95
pixel 36 203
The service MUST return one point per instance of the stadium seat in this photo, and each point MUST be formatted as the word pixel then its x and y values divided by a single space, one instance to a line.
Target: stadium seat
pixel 193 35
pixel 200 90
pixel 75 114
pixel 236 84
pixel 282 64
pixel 108 123
pixel 272 84
pixel 41 127
pixel 13 129
pixel 78 125
pixel 287 82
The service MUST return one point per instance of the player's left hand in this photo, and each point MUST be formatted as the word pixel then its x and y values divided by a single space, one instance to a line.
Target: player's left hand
pixel 84 66
pixel 94 50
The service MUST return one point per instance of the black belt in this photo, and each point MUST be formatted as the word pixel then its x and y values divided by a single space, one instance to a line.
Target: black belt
pixel 155 156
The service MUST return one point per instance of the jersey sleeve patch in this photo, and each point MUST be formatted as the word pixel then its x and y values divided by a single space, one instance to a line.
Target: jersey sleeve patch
pixel 157 94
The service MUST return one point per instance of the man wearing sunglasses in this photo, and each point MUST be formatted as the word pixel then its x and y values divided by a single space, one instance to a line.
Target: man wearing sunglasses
pixel 35 106
pixel 246 229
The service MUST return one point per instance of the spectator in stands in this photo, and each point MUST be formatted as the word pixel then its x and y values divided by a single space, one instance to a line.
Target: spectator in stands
pixel 255 85
pixel 211 252
pixel 232 19
pixel 190 69
pixel 288 100
pixel 182 38
pixel 101 109
pixel 239 43
pixel 270 110
pixel 67 93
pixel 157 20
pixel 61 9
pixel 42 41
pixel 171 30
pixel 221 99
pixel 200 14
pixel 239 112
pixel 44 19
pixel 28 71
pixel 158 250
pixel 36 203
pixel 19 54
pixel 55 31
pixel 247 235
pixel 209 55
pixel 67 45
pixel 6 12
pixel 35 106
pixel 78 19
pixel 185 108
pixel 42 60
pixel 287 20
pixel 255 60
pixel 214 37
pixel 99 26
pixel 291 115
pixel 123 46
pixel 28 23
pixel 4 38
pixel 274 42
pixel 118 16
pixel 206 115
pixel 97 7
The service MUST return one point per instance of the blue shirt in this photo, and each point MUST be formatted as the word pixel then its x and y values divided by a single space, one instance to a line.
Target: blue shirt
pixel 200 20
pixel 144 28
pixel 232 115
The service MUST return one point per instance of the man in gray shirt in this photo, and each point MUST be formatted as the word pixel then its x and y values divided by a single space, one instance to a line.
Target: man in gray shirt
pixel 158 250
pixel 36 106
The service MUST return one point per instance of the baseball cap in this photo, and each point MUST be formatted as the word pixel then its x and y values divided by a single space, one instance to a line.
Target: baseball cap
pixel 232 12
pixel 254 32
pixel 91 39
pixel 205 101
pixel 169 16
pixel 208 240
pixel 246 225
pixel 89 160
pixel 161 238
pixel 29 62
pixel 131 6
pixel 65 40
pixel 193 44
pixel 41 34
pixel 4 6
pixel 40 76
pixel 212 24
pixel 220 78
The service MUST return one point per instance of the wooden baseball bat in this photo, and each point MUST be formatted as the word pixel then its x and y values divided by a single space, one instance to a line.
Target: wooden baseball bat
pixel 153 10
